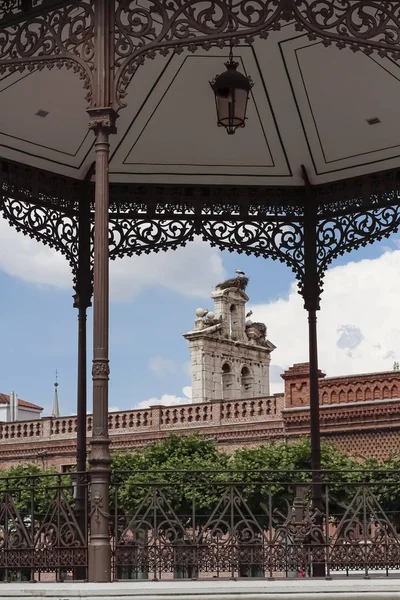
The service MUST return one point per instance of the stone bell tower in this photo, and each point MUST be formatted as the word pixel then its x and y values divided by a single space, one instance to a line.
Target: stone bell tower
pixel 230 356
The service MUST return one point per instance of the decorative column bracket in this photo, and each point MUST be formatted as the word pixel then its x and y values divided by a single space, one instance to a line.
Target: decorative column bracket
pixel 43 206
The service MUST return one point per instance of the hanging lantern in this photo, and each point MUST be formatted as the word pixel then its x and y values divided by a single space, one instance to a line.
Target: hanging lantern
pixel 231 90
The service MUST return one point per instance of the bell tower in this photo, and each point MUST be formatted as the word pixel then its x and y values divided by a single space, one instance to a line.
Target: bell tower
pixel 230 356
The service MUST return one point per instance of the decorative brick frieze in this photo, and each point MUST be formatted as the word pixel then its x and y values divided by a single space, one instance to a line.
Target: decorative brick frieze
pixel 339 390
pixel 362 428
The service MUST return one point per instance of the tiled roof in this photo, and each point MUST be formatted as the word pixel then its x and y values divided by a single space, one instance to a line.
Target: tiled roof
pixel 4 399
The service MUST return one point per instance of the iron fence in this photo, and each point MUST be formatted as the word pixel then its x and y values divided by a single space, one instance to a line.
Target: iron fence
pixel 196 525
pixel 43 527
pixel 253 524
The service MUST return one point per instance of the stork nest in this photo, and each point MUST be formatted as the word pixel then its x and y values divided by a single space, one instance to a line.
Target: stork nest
pixel 262 328
pixel 239 282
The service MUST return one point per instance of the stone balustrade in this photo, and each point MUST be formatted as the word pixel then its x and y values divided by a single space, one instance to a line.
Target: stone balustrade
pixel 153 419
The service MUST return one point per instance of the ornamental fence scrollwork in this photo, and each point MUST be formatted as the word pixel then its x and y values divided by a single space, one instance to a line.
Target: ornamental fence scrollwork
pixel 203 524
pixel 40 529
pixel 255 524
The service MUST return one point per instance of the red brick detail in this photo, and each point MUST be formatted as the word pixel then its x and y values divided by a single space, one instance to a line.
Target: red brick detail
pixel 297 385
pixel 339 390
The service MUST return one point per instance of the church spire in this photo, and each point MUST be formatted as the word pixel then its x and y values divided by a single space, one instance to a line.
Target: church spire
pixel 56 408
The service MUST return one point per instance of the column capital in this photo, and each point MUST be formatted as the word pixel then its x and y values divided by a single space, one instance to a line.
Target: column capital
pixel 103 119
pixel 81 301
pixel 100 368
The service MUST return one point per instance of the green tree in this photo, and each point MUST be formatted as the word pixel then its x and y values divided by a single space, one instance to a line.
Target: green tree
pixel 186 469
pixel 272 474
pixel 382 480
pixel 33 489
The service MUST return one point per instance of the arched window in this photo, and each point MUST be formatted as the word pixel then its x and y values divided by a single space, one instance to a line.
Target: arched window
pixel 227 381
pixel 246 382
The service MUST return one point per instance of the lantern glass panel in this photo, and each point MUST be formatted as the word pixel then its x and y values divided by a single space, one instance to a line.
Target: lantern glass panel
pixel 231 108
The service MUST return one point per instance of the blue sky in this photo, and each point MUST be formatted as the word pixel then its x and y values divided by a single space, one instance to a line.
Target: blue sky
pixel 153 304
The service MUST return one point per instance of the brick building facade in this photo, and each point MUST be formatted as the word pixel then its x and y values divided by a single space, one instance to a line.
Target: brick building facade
pixel 356 423
pixel 230 375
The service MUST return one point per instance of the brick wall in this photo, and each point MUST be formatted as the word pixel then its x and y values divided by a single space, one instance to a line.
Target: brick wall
pixel 52 442
pixel 339 390
pixel 359 413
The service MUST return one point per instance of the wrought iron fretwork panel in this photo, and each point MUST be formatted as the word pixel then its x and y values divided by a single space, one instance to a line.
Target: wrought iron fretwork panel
pixel 341 234
pixel 51 227
pixel 16 9
pixel 47 32
pixel 241 225
pixel 249 525
pixel 151 26
pixel 40 530
pixel 361 24
pixel 43 206
pixel 263 221
pixel 61 37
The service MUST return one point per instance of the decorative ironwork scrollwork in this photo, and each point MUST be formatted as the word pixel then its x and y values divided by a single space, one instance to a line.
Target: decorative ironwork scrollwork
pixel 50 226
pixel 143 29
pixel 14 9
pixel 229 226
pixel 136 236
pixel 61 37
pixel 64 35
pixel 154 26
pixel 39 530
pixel 252 525
pixel 366 25
pixel 347 232
pixel 276 240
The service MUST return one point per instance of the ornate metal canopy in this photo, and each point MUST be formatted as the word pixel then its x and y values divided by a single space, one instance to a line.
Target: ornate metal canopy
pixel 164 202
pixel 314 174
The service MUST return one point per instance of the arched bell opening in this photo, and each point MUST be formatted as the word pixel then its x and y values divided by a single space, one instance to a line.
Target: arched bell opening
pixel 246 382
pixel 228 380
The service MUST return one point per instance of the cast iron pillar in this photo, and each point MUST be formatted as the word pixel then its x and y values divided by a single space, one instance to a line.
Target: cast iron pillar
pixel 82 302
pixel 311 294
pixel 102 121
pixel 99 546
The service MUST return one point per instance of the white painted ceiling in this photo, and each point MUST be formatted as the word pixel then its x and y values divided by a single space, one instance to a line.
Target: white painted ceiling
pixel 309 105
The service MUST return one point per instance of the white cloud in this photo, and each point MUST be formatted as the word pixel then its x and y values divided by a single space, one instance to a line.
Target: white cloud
pixel 166 400
pixel 31 261
pixel 187 390
pixel 161 366
pixel 114 409
pixel 358 325
pixel 192 270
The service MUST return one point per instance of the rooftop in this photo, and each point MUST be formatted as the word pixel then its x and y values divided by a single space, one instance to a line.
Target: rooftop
pixel 5 399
